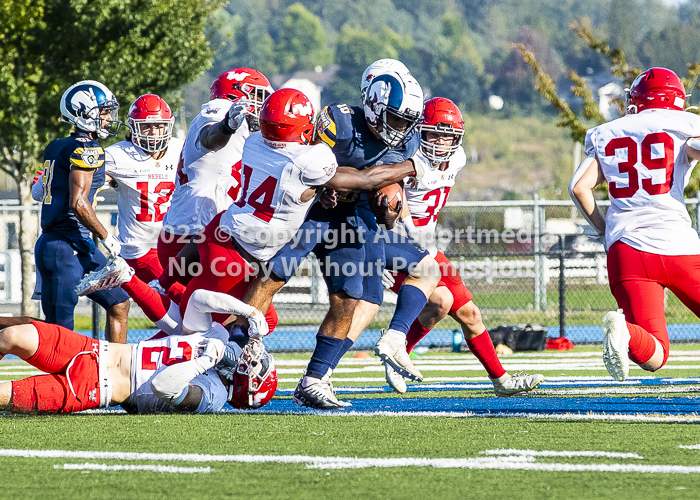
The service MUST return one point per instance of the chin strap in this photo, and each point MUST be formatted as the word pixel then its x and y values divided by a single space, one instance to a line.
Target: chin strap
pixel 580 170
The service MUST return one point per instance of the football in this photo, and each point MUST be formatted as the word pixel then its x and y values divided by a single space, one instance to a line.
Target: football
pixel 394 193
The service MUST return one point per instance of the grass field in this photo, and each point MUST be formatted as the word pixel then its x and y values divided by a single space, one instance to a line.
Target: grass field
pixel 580 435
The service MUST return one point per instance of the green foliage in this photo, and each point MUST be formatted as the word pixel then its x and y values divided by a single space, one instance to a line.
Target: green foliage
pixel 132 46
pixel 302 43
pixel 355 50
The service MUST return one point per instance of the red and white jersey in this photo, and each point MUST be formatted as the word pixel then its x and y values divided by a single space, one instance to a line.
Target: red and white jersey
pixel 151 356
pixel 427 196
pixel 270 209
pixel 207 181
pixel 145 186
pixel 643 157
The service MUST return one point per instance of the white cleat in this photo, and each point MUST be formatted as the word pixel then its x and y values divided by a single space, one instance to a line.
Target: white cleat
pixel 394 379
pixel 155 284
pixel 327 379
pixel 391 348
pixel 616 340
pixel 317 393
pixel 510 385
pixel 115 273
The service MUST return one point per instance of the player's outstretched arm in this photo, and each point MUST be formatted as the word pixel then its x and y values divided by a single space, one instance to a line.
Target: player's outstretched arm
pixel 215 137
pixel 204 302
pixel 370 179
pixel 172 384
pixel 587 176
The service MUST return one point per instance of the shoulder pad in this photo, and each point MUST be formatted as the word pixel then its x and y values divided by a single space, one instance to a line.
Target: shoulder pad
pixel 334 124
pixel 88 155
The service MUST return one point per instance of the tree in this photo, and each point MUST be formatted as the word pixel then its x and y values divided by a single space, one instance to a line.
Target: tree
pixel 302 43
pixel 357 49
pixel 133 46
pixel 591 113
pixel 456 67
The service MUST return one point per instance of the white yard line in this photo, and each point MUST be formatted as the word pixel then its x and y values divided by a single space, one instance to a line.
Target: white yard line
pixel 149 468
pixel 505 460
pixel 550 453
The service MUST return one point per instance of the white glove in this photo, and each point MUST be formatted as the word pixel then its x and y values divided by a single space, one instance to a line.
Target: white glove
pixel 112 245
pixel 155 284
pixel 236 114
pixel 211 348
pixel 257 325
pixel 388 279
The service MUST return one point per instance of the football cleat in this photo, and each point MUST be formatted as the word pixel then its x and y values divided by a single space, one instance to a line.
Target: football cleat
pixel 391 348
pixel 394 379
pixel 510 385
pixel 317 393
pixel 115 273
pixel 616 339
pixel 155 284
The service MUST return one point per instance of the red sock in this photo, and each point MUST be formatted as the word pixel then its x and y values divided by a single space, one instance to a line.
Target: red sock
pixel 415 334
pixel 482 347
pixel 155 306
pixel 642 345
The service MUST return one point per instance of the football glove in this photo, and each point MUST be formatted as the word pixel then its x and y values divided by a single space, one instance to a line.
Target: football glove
pixel 111 243
pixel 258 326
pixel 380 207
pixel 212 348
pixel 388 279
pixel 235 116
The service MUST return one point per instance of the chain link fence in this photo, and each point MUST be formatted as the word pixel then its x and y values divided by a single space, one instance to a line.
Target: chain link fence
pixel 527 261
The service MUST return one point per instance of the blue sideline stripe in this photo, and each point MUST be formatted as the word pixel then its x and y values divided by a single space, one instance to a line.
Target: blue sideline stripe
pixel 534 405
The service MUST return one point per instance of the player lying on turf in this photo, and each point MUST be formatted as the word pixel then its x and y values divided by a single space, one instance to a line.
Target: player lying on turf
pixel 441 151
pixel 646 157
pixel 195 373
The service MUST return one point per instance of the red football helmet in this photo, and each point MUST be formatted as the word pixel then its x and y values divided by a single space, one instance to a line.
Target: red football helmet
pixel 242 83
pixel 255 378
pixel 287 116
pixel 151 123
pixel 658 88
pixel 441 116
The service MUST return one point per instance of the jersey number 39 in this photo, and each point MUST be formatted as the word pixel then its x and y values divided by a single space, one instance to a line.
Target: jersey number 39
pixel 629 167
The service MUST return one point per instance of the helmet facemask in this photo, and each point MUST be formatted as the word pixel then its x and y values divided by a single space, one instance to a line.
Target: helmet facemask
pixel 142 133
pixel 438 153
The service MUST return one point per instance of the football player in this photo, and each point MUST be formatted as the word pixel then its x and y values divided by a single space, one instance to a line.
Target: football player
pixel 197 373
pixel 281 174
pixel 646 157
pixel 142 169
pixel 208 176
pixel 442 130
pixel 73 173
pixel 382 135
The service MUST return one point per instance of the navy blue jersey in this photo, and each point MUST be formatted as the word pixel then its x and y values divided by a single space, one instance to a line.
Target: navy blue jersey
pixel 345 130
pixel 62 155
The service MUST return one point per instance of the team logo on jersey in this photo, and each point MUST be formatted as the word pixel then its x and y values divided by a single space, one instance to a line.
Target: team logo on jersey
pixel 81 139
pixel 92 395
pixel 239 77
pixel 330 168
pixel 91 156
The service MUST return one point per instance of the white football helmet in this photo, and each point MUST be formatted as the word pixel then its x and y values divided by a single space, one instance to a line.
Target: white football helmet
pixel 393 106
pixel 84 104
pixel 381 67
